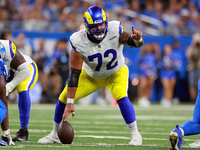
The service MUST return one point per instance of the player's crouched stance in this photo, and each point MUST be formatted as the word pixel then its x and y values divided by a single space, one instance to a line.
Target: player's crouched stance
pixel 188 128
pixel 6 138
pixel 96 62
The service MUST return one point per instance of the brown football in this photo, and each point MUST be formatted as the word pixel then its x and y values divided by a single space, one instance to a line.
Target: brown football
pixel 65 132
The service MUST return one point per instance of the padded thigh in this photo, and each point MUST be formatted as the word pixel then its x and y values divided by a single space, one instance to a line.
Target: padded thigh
pixel 29 83
pixel 117 84
pixel 86 86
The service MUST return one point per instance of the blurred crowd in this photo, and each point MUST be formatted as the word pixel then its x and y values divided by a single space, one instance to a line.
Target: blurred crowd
pixel 170 66
pixel 154 17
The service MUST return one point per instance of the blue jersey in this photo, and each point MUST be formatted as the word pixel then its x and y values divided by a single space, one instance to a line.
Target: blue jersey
pixel 147 65
pixel 3 70
pixel 3 110
pixel 168 67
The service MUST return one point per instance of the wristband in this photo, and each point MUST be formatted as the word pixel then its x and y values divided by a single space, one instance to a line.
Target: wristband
pixel 70 100
pixel 7 132
pixel 138 41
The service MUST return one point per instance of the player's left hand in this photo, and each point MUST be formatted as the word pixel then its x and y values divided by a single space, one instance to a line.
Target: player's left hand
pixel 136 34
pixel 9 88
pixel 68 110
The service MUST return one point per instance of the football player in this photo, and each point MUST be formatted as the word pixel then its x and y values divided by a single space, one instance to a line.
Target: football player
pixel 188 128
pixel 22 76
pixel 3 102
pixel 97 61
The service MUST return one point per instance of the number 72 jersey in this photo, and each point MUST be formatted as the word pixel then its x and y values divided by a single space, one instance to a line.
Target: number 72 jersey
pixel 102 59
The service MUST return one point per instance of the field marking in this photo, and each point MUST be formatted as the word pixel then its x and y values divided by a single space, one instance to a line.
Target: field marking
pixel 119 117
pixel 154 107
pixel 76 144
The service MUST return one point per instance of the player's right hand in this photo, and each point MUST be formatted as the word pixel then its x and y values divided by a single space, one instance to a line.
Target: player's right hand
pixel 68 110
pixel 8 139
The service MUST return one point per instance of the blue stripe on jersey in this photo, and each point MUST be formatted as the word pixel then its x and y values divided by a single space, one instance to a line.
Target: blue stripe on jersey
pixel 113 37
pixel 120 28
pixel 72 45
pixel 11 52
pixel 32 64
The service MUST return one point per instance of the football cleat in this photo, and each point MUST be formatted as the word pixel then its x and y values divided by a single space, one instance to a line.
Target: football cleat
pixel 51 138
pixel 175 139
pixel 136 139
pixel 195 144
pixel 21 135
pixel 3 143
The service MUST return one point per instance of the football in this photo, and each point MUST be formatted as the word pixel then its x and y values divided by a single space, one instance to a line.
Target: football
pixel 65 132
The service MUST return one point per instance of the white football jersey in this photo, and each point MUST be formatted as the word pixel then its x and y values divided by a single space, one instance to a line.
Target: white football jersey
pixel 10 53
pixel 102 59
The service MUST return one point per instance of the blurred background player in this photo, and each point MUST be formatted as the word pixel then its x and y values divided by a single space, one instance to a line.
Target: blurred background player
pixel 22 76
pixel 98 49
pixel 147 70
pixel 168 76
pixel 188 128
pixel 3 102
pixel 193 55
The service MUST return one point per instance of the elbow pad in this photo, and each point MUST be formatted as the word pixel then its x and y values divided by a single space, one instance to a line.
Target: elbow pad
pixel 73 77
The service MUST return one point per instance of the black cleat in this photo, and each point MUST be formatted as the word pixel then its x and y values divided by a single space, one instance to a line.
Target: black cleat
pixel 21 135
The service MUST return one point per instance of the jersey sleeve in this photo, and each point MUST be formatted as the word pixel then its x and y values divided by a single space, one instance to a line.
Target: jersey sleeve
pixel 72 45
pixel 115 28
pixel 121 28
pixel 74 39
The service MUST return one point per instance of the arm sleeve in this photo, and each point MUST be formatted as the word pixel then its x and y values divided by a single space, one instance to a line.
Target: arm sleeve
pixel 22 73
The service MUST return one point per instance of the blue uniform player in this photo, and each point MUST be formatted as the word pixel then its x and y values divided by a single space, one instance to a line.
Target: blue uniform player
pixel 188 128
pixel 96 62
pixel 168 76
pixel 3 103
pixel 147 70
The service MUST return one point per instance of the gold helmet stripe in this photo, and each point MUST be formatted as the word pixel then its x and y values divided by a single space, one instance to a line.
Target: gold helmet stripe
pixel 89 18
pixel 104 15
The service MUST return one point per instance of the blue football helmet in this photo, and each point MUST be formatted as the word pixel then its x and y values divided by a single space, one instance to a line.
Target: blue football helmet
pixel 95 16
pixel 2 52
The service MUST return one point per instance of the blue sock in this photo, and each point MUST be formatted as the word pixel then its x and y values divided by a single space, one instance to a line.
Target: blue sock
pixel 24 105
pixel 193 127
pixel 127 110
pixel 60 107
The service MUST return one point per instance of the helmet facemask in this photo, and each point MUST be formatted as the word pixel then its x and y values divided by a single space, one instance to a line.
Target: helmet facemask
pixel 95 16
pixel 98 34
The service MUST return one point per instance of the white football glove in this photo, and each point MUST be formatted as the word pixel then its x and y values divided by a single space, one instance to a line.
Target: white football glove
pixel 9 88
pixel 8 139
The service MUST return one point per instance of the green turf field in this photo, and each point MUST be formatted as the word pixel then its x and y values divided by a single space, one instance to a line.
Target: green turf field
pixel 101 127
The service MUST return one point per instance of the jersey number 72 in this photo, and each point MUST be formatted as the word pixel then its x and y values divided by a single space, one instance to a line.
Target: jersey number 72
pixel 100 59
